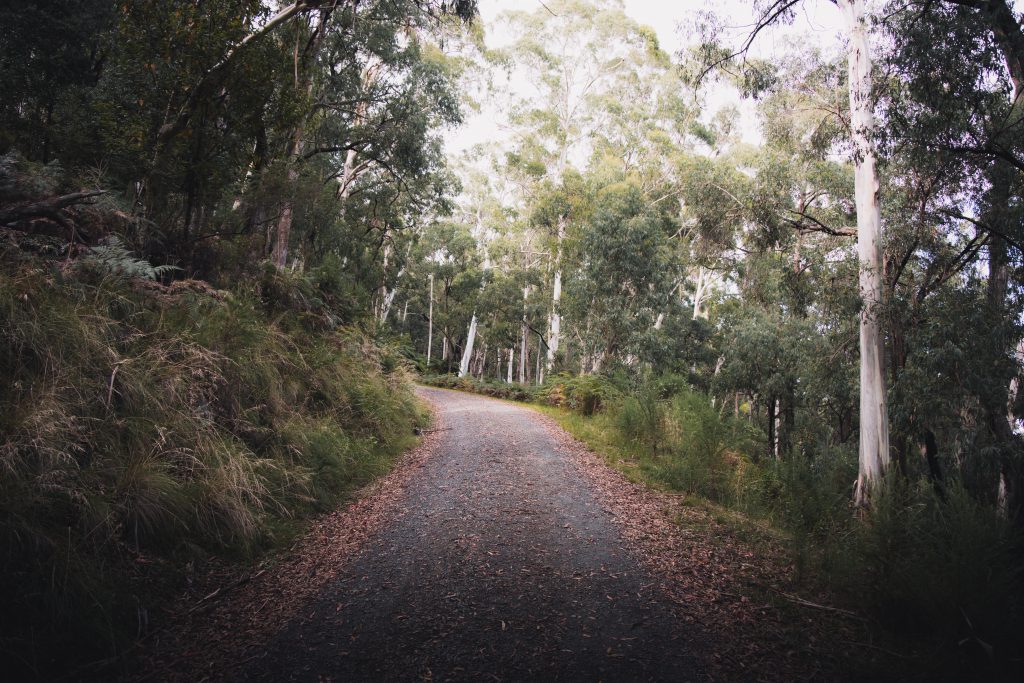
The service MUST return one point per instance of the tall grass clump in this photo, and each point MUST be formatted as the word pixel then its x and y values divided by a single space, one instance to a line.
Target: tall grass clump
pixel 145 426
pixel 945 566
pixel 678 439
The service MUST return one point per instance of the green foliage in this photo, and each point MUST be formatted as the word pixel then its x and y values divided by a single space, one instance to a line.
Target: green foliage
pixel 682 442
pixel 111 257
pixel 585 394
pixel 510 392
pixel 166 423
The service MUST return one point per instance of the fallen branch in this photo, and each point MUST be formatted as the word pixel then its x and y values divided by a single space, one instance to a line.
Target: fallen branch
pixel 48 208
pixel 225 589
pixel 807 603
pixel 876 647
pixel 419 432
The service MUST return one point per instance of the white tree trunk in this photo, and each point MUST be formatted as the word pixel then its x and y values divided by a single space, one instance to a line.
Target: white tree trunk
pixel 511 358
pixel 874 419
pixel 524 332
pixel 1011 395
pixel 352 170
pixel 389 298
pixel 701 290
pixel 467 354
pixel 389 295
pixel 538 377
pixel 556 298
pixel 430 320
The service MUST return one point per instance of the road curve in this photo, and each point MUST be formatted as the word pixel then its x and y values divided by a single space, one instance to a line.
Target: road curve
pixel 501 564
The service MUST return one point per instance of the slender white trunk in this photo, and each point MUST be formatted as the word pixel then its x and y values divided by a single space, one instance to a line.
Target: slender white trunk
pixel 778 424
pixel 511 358
pixel 700 293
pixel 348 177
pixel 874 419
pixel 467 354
pixel 430 320
pixel 352 170
pixel 282 237
pixel 659 321
pixel 538 377
pixel 389 298
pixel 524 332
pixel 389 295
pixel 556 298
pixel 1011 396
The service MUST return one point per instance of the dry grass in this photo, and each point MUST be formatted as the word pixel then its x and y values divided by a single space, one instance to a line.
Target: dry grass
pixel 143 428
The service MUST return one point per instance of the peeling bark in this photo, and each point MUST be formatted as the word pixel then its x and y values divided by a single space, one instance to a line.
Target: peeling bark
pixel 874 419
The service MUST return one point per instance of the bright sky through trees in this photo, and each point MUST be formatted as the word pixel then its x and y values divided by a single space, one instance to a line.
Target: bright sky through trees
pixel 817 24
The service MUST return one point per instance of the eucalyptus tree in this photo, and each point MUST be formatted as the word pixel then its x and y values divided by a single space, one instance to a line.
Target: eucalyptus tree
pixel 955 123
pixel 573 52
pixel 874 422
pixel 622 261
pixel 374 87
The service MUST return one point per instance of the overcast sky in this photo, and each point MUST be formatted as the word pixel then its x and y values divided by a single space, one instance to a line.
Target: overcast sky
pixel 817 23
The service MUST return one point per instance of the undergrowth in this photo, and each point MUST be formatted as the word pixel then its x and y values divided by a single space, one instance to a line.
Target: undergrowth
pixel 145 427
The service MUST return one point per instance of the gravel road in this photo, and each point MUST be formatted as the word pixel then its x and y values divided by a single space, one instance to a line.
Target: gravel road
pixel 501 564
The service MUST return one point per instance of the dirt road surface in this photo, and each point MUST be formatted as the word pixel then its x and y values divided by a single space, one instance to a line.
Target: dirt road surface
pixel 500 563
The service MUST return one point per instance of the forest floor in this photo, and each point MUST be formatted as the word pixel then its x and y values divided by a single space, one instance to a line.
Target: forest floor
pixel 502 549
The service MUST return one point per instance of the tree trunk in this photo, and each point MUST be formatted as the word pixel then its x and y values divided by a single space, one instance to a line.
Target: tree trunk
pixel 351 171
pixel 284 223
pixel 511 358
pixel 524 333
pixel 283 234
pixel 430 320
pixel 998 400
pixel 874 419
pixel 467 353
pixel 538 378
pixel 700 292
pixel 556 298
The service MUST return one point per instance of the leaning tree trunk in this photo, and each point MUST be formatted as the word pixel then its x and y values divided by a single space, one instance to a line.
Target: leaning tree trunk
pixel 874 419
pixel 467 353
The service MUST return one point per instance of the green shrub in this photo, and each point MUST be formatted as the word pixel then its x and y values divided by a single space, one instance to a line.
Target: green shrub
pixel 585 394
pixel 641 423
pixel 493 388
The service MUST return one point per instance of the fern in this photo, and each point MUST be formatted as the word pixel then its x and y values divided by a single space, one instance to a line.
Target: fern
pixel 111 257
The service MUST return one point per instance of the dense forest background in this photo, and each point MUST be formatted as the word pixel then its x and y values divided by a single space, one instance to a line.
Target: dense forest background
pixel 231 236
